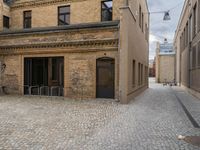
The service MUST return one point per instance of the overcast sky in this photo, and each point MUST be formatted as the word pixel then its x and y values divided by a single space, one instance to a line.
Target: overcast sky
pixel 160 29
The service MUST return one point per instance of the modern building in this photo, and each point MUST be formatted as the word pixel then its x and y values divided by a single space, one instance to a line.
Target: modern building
pixel 165 62
pixel 187 45
pixel 75 48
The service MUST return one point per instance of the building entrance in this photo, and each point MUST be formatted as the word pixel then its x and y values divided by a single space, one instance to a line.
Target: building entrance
pixel 44 76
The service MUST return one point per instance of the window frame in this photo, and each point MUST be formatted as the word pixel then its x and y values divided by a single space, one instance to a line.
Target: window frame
pixel 199 53
pixel 102 10
pixel 6 23
pixel 65 14
pixel 194 26
pixel 133 73
pixel 27 18
pixel 140 16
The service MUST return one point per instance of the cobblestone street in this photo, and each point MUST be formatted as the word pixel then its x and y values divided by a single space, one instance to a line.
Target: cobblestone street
pixel 152 121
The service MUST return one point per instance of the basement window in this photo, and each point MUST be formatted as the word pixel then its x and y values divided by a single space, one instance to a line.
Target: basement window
pixel 6 22
pixel 64 15
pixel 106 10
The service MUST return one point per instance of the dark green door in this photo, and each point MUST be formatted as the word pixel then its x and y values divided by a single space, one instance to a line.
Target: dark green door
pixel 105 80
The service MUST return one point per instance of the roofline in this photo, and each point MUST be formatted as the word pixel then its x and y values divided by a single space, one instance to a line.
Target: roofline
pixel 180 20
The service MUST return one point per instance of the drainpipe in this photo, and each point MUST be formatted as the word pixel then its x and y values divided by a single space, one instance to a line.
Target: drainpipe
pixel 189 69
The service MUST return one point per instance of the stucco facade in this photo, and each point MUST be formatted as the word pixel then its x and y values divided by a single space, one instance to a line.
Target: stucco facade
pixel 79 45
pixel 187 45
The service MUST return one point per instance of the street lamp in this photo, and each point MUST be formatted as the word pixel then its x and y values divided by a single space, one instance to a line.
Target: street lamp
pixel 166 15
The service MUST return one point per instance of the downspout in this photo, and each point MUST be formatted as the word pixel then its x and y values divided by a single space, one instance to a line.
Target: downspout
pixel 189 70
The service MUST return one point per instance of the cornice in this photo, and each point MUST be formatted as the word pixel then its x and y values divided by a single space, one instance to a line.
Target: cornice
pixel 88 27
pixel 36 3
pixel 72 46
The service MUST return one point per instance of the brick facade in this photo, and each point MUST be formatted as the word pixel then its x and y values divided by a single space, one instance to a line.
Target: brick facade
pixel 80 44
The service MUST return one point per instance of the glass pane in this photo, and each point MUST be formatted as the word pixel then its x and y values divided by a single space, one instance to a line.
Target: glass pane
pixel 65 9
pixel 27 23
pixel 27 14
pixel 108 4
pixel 67 19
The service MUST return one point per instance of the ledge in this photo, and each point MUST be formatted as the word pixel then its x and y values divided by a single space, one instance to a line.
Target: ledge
pixel 96 25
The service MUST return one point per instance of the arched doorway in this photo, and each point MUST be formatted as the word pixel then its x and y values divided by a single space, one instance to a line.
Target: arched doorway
pixel 105 77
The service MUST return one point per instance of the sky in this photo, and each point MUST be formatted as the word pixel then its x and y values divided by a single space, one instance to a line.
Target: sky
pixel 160 29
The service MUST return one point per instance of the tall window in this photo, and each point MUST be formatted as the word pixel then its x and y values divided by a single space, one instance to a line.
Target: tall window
pixel 140 16
pixel 194 20
pixel 106 10
pixel 64 15
pixel 186 36
pixel 55 69
pixel 142 74
pixel 142 22
pixel 27 19
pixel 139 79
pixel 199 54
pixel 198 16
pixel 133 74
pixel 5 22
pixel 146 74
pixel 146 32
pixel 190 28
pixel 194 57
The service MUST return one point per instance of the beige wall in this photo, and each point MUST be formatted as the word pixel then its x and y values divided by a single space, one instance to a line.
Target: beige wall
pixel 187 75
pixel 47 15
pixel 134 47
pixel 166 68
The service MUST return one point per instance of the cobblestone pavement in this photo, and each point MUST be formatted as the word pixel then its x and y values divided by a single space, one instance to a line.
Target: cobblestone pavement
pixel 151 121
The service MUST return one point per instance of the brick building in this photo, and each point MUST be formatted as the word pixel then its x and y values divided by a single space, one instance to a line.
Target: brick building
pixel 187 45
pixel 165 62
pixel 74 48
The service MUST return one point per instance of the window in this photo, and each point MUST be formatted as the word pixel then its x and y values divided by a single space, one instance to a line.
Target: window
pixel 54 69
pixel 106 10
pixel 133 74
pixel 138 73
pixel 142 22
pixel 198 16
pixel 184 38
pixel 186 35
pixel 199 54
pixel 190 29
pixel 146 32
pixel 142 75
pixel 194 57
pixel 194 20
pixel 64 15
pixel 140 16
pixel 146 74
pixel 27 19
pixel 6 22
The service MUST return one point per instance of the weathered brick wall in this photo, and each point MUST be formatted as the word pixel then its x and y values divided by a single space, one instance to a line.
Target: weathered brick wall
pixel 46 14
pixel 4 11
pixel 166 72
pixel 11 76
pixel 79 60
